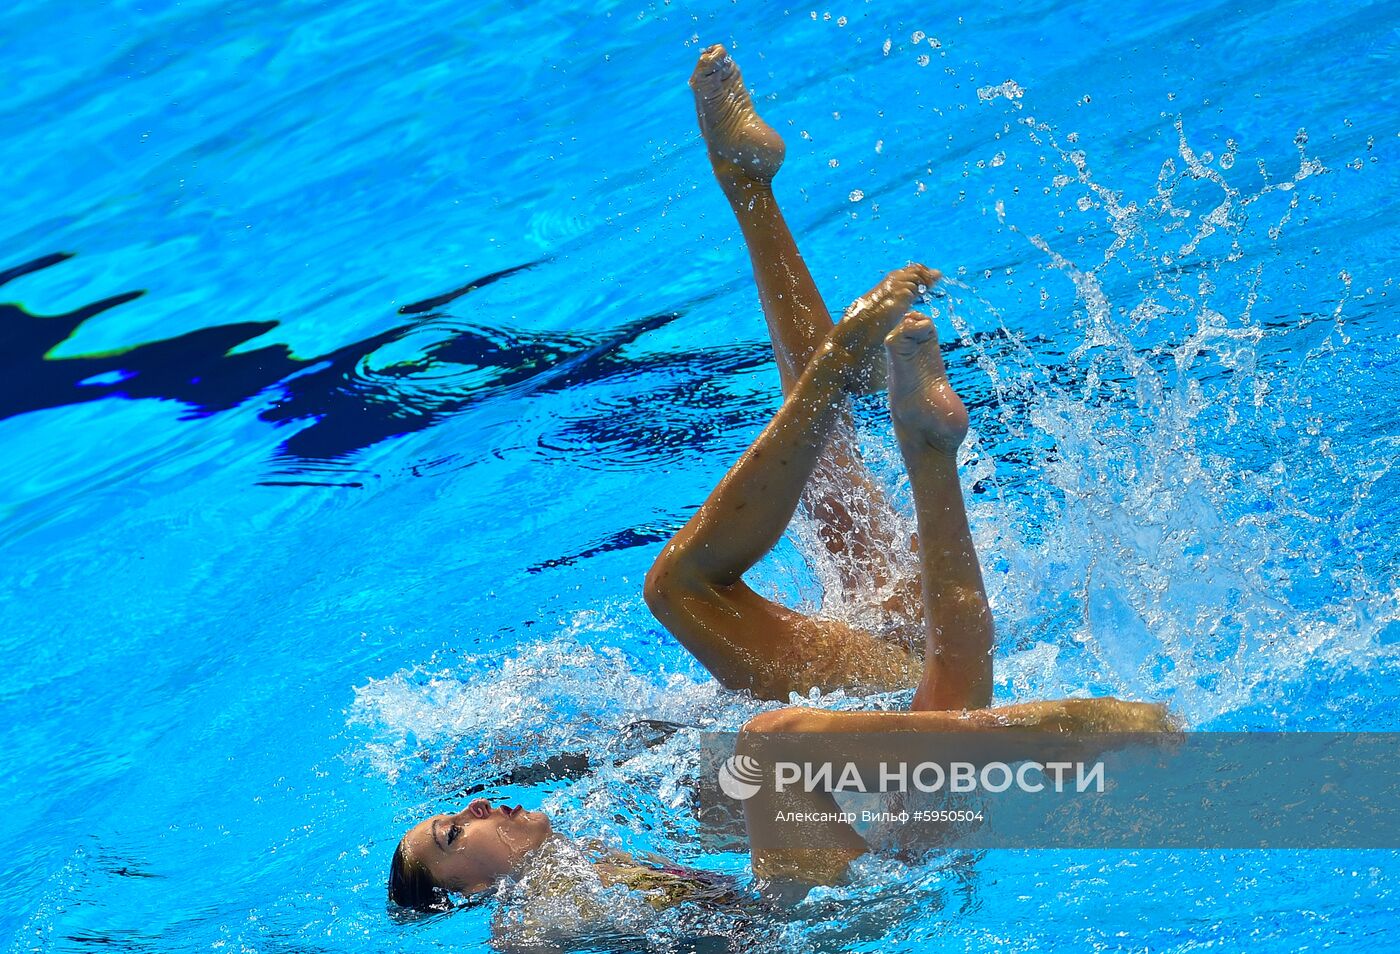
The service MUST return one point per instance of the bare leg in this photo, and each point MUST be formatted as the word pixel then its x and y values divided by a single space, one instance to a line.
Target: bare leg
pixel 854 519
pixel 930 423
pixel 695 588
pixel 875 743
pixel 745 154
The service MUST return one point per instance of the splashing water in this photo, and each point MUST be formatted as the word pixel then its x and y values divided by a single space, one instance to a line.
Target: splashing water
pixel 1166 541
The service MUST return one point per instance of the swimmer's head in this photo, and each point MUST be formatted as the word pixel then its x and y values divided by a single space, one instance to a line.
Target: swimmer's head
pixel 462 853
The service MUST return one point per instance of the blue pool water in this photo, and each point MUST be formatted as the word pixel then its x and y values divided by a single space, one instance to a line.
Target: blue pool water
pixel 296 545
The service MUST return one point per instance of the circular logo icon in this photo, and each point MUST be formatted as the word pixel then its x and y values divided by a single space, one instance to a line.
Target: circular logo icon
pixel 740 777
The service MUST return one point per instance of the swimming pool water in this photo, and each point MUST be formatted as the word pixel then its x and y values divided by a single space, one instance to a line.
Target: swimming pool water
pixel 360 356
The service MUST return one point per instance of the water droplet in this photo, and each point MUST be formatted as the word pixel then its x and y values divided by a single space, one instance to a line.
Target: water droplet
pixel 886 48
pixel 1084 203
pixel 856 195
pixel 1010 90
pixel 923 60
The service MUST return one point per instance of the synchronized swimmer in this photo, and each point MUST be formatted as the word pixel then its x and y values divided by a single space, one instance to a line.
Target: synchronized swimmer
pixel 806 455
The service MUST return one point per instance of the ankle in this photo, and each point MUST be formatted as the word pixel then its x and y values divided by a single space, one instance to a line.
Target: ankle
pixel 914 443
pixel 742 189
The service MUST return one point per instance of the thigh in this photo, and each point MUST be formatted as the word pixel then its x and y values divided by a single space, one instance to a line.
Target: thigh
pixel 751 643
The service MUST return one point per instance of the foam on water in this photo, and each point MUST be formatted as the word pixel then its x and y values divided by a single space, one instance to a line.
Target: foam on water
pixel 490 714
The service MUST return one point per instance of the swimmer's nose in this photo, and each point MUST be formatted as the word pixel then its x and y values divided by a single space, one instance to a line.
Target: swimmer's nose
pixel 479 808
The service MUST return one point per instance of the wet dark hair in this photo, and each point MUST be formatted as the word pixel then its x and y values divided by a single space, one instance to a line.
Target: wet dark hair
pixel 411 885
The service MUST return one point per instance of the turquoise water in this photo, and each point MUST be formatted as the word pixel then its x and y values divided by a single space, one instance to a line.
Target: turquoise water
pixel 298 545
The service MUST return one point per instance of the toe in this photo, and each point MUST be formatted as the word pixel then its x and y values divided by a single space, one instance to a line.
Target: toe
pixel 711 56
pixel 924 276
pixel 913 277
pixel 911 334
pixel 917 326
pixel 902 287
pixel 709 67
pixel 715 71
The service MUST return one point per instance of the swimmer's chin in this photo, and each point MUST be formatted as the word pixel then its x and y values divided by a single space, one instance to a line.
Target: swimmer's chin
pixel 533 814
pixel 537 827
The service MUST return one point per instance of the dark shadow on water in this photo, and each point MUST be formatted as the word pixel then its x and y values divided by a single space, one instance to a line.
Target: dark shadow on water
pixel 343 402
pixel 621 540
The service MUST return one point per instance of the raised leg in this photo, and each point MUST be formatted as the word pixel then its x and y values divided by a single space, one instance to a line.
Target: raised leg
pixel 854 520
pixel 696 589
pixel 745 154
pixel 930 423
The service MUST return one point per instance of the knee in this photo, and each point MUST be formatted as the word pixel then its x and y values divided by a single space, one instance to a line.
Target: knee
pixel 665 586
pixel 657 589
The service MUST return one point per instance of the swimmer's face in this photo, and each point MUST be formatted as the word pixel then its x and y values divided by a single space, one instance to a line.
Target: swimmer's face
pixel 470 850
